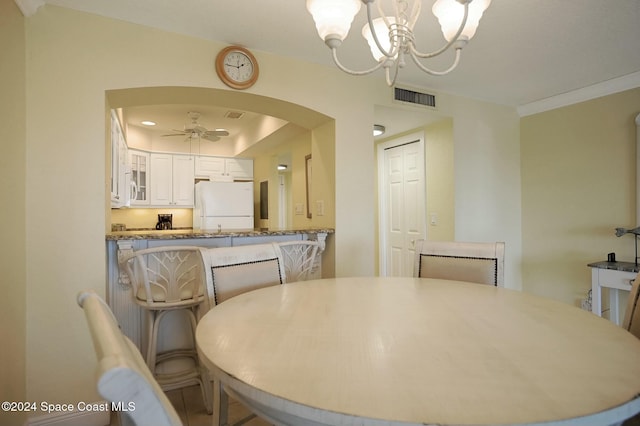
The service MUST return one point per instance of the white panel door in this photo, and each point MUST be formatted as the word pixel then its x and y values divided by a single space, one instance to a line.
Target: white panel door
pixel 404 206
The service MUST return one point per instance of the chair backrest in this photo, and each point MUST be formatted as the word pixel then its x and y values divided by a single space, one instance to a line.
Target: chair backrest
pixel 231 271
pixel 474 262
pixel 123 377
pixel 166 275
pixel 299 258
pixel 631 321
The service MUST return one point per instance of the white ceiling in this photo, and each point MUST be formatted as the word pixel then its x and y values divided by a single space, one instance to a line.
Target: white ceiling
pixel 524 50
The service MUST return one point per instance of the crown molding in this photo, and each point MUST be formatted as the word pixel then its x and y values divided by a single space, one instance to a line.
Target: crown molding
pixel 609 87
pixel 29 7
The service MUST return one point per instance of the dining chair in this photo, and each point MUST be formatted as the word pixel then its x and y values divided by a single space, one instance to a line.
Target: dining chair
pixel 462 261
pixel 231 271
pixel 168 283
pixel 631 321
pixel 299 258
pixel 123 377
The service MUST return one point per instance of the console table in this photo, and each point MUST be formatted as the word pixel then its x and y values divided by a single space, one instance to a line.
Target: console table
pixel 615 276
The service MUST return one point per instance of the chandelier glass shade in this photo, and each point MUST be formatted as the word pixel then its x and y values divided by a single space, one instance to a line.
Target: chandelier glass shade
pixel 392 38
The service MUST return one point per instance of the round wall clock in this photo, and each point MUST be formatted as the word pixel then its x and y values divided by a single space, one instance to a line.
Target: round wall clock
pixel 237 67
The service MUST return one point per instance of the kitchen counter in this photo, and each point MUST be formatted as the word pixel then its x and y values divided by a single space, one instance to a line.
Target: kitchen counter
pixel 179 234
pixel 119 244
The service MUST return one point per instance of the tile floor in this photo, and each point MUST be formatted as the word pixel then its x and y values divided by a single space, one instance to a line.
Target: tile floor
pixel 188 403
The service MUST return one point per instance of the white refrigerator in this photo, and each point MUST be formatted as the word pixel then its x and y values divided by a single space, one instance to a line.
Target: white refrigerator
pixel 223 206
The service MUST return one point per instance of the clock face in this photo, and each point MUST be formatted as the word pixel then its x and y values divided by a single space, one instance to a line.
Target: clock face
pixel 237 67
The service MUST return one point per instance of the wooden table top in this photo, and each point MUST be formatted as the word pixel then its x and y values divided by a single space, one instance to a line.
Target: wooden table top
pixel 420 351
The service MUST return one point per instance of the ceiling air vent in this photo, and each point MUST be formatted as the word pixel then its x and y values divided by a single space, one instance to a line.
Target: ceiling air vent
pixel 234 114
pixel 413 97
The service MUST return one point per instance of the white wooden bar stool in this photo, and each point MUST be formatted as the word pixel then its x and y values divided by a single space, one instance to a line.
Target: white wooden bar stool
pixel 299 258
pixel 168 284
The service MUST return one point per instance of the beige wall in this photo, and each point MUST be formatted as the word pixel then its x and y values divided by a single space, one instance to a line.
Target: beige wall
pixel 440 180
pixel 265 169
pixel 12 226
pixel 74 59
pixel 578 185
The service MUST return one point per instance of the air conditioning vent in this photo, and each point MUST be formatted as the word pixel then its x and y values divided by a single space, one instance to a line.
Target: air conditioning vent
pixel 414 97
pixel 235 115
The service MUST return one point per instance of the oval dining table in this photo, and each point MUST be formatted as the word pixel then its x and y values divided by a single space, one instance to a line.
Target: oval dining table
pixel 411 351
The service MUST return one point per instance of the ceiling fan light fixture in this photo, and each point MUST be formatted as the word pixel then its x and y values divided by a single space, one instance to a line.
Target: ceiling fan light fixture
pixel 196 131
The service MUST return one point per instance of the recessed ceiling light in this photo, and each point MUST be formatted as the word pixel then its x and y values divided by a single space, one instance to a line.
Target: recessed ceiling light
pixel 148 123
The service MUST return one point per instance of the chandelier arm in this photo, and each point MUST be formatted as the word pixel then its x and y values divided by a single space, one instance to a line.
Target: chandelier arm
pixel 381 14
pixel 391 82
pixel 394 49
pixel 415 13
pixel 334 51
pixel 432 72
pixel 415 52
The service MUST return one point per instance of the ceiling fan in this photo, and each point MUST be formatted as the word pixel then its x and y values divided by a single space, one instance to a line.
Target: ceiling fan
pixel 195 130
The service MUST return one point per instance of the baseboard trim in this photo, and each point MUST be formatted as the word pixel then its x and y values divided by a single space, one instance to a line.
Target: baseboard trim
pixel 74 418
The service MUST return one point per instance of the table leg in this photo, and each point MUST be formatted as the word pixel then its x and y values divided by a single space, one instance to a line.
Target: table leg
pixel 220 405
pixel 614 305
pixel 596 293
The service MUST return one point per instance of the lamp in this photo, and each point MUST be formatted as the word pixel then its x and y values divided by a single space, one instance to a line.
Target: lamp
pixel 391 37
pixel 635 232
pixel 378 129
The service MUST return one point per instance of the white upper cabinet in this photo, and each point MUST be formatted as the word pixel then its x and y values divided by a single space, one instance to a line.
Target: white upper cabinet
pixel 236 168
pixel 172 180
pixel 139 161
pixel 120 194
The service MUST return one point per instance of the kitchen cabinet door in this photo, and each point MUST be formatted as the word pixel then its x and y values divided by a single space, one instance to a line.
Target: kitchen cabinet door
pixel 140 166
pixel 207 166
pixel 183 180
pixel 119 165
pixel 239 168
pixel 172 181
pixel 161 188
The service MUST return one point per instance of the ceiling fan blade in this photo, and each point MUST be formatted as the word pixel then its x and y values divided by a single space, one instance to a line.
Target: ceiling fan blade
pixel 175 134
pixel 212 138
pixel 217 132
pixel 198 128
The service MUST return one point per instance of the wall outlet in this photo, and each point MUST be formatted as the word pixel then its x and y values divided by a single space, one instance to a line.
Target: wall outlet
pixel 320 208
pixel 299 210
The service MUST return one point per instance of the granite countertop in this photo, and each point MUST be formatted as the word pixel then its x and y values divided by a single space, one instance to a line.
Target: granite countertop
pixel 177 234
pixel 617 266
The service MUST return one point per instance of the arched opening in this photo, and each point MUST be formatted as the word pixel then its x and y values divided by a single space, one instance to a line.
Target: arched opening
pixel 279 132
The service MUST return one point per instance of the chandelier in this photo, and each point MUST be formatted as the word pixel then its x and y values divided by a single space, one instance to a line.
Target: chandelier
pixel 390 36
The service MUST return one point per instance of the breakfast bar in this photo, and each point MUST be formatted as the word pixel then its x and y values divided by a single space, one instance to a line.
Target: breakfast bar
pixel 120 243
